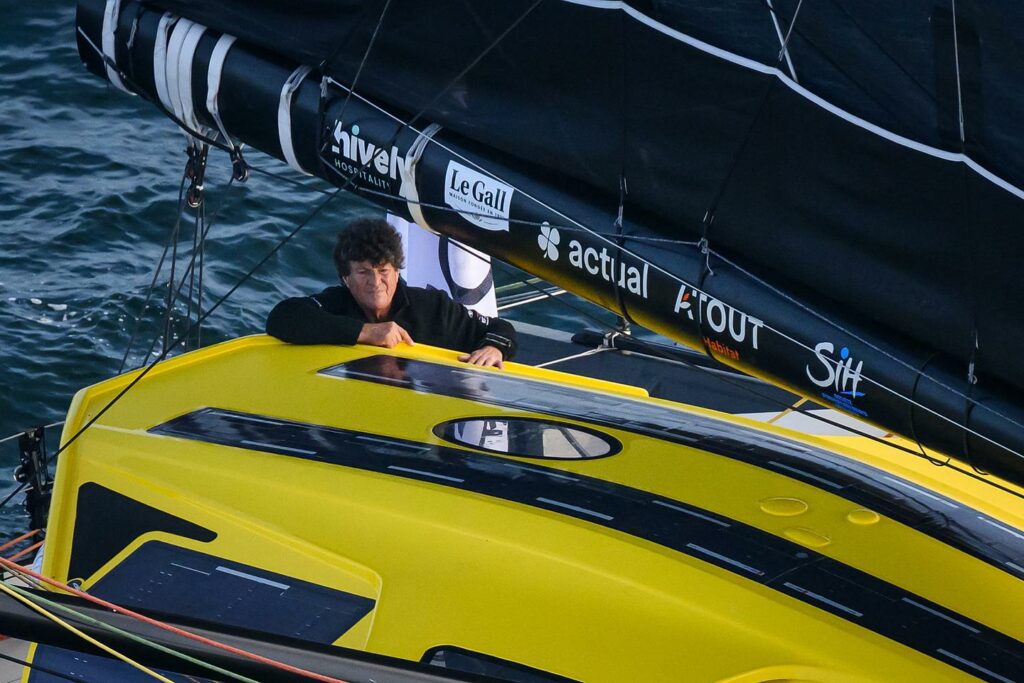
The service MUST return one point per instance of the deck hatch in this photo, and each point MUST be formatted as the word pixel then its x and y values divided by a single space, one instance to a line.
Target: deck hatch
pixel 937 516
pixel 528 437
pixel 733 546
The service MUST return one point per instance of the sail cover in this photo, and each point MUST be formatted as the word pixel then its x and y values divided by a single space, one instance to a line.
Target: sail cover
pixel 826 194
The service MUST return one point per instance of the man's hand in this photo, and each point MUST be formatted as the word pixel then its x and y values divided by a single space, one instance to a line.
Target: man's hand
pixel 485 356
pixel 388 335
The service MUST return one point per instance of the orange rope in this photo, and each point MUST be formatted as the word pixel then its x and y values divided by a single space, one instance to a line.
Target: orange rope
pixel 25 551
pixel 19 539
pixel 167 627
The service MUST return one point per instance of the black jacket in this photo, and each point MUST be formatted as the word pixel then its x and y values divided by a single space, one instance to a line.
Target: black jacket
pixel 428 315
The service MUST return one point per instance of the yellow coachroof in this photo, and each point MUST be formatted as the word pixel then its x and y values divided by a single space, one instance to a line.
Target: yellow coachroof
pixel 699 546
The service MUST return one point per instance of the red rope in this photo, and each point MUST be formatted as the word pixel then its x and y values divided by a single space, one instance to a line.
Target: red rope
pixel 18 540
pixel 167 627
pixel 25 551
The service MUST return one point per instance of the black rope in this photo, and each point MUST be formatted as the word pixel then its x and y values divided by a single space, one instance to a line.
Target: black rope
pixel 171 298
pixel 202 268
pixel 197 229
pixel 156 276
pixel 189 269
pixel 362 62
pixel 13 493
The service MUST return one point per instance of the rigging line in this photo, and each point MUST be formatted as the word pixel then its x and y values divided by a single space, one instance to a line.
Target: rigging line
pixel 86 619
pixel 516 304
pixel 171 298
pixel 156 275
pixel 870 345
pixel 362 62
pixel 959 93
pixel 789 32
pixel 43 669
pixel 190 268
pixel 743 383
pixel 24 571
pixel 84 636
pixel 209 311
pixel 882 104
pixel 197 228
pixel 17 434
pixel 13 493
pixel 494 43
pixel 462 212
pixel 778 32
pixel 202 268
pixel 878 45
pixel 288 237
pixel 107 61
pixel 588 352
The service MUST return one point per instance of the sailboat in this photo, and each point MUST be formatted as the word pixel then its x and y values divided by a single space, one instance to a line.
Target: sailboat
pixel 798 203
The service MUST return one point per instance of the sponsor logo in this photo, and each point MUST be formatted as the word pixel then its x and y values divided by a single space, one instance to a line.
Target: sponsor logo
pixel 839 377
pixel 480 199
pixel 548 240
pixel 599 263
pixel 720 317
pixel 373 165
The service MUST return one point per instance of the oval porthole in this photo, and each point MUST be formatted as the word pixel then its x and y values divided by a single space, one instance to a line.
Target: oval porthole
pixel 529 438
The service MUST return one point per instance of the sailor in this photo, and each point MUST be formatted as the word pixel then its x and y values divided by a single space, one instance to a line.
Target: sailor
pixel 377 307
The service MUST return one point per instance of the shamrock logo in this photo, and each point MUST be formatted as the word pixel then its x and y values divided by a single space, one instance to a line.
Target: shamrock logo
pixel 548 240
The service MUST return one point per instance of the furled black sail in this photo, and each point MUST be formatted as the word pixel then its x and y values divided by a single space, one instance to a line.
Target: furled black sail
pixel 826 194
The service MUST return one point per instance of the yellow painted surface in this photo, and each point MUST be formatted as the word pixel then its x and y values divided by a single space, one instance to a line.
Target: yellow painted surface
pixel 449 567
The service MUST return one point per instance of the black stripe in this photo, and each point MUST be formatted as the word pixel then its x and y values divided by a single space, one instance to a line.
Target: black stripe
pixel 736 547
pixel 930 513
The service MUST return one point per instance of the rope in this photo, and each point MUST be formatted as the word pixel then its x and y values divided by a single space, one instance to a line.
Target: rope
pixel 959 92
pixel 789 31
pixel 167 627
pixel 156 274
pixel 190 269
pixel 13 493
pixel 84 618
pixel 17 434
pixel 25 551
pixel 84 636
pixel 15 541
pixel 589 352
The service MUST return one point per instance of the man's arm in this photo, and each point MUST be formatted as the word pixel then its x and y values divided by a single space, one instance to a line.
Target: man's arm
pixel 310 320
pixel 488 341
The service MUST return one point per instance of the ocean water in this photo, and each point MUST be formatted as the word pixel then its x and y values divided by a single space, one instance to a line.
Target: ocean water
pixel 89 178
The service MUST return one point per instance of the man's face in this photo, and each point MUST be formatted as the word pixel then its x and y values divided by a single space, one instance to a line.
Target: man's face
pixel 372 285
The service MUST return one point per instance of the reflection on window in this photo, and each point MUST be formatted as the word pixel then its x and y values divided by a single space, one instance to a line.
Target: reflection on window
pixel 530 438
pixel 457 659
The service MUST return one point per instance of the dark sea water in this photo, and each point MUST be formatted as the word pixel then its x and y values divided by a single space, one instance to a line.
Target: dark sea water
pixel 89 178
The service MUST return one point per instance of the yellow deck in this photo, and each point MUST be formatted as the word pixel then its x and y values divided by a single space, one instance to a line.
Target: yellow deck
pixel 550 591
